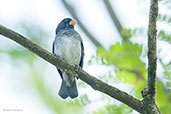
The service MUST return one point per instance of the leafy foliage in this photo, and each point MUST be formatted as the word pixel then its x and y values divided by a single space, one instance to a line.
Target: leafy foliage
pixel 114 109
pixel 132 32
pixel 129 68
pixel 125 56
pixel 162 34
pixel 164 18
pixel 167 72
pixel 163 98
pixel 165 37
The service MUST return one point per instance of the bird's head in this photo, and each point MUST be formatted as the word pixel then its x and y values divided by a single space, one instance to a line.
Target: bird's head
pixel 66 23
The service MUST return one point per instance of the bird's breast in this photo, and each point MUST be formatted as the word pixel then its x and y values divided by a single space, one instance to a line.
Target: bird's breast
pixel 69 49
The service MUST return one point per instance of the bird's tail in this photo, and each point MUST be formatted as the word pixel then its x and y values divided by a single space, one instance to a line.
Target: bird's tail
pixel 70 91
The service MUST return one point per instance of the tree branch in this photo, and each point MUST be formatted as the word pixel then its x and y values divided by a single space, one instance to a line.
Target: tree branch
pixel 152 58
pixel 87 78
pixel 90 36
pixel 115 20
pixel 149 93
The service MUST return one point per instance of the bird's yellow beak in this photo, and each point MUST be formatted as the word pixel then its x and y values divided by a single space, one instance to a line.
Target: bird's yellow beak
pixel 73 22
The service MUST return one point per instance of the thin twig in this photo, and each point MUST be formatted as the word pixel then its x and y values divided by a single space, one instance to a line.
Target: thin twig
pixel 152 56
pixel 74 15
pixel 115 19
pixel 149 93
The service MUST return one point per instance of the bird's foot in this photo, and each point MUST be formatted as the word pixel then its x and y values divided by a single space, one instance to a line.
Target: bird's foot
pixel 78 67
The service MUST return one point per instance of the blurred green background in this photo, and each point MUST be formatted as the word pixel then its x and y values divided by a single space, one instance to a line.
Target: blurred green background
pixel 115 41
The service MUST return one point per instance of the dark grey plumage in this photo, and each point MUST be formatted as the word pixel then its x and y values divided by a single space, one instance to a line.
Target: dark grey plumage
pixel 68 45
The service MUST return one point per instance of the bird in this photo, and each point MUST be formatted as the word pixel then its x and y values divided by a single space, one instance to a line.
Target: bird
pixel 68 45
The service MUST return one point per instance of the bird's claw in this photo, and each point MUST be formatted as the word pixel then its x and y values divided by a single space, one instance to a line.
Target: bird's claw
pixel 77 67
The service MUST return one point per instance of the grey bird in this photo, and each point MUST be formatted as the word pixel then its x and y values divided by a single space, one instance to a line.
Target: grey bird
pixel 69 46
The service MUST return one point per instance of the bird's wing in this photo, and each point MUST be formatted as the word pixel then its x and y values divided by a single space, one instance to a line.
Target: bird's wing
pixel 53 51
pixel 82 55
pixel 53 48
pixel 60 72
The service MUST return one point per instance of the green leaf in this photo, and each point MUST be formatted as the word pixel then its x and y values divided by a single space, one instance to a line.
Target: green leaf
pixel 127 32
pixel 114 109
pixel 83 100
pixel 127 76
pixel 163 36
pixel 164 18
pixel 163 98
pixel 124 56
